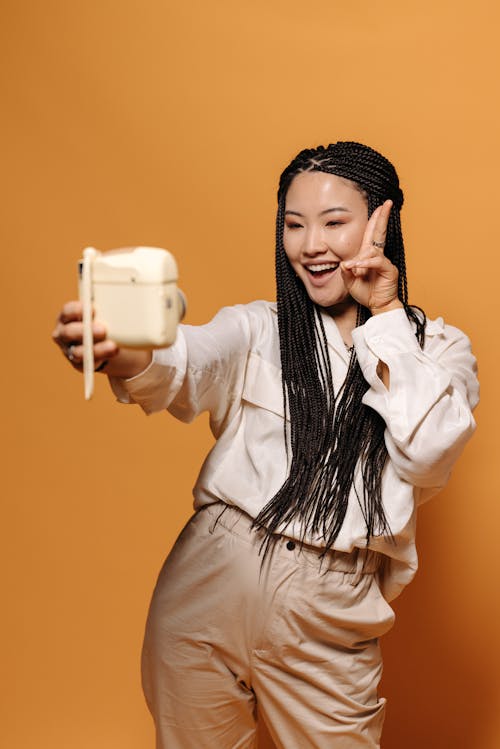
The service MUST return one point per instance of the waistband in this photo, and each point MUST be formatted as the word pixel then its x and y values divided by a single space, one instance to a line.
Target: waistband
pixel 359 561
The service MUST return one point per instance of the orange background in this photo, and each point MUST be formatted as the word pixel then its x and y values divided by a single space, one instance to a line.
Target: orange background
pixel 167 123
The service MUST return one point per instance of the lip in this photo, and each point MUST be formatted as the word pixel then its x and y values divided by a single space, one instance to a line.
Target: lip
pixel 319 281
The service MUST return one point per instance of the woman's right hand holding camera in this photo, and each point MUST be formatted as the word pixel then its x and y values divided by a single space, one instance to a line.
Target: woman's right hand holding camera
pixel 108 357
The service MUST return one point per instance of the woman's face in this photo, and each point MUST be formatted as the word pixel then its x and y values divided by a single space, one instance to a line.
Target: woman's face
pixel 325 219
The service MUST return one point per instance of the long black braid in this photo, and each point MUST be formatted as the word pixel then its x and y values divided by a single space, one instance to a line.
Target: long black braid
pixel 331 434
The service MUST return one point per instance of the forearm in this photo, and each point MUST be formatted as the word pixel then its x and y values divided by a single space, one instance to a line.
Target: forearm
pixel 427 409
pixel 382 368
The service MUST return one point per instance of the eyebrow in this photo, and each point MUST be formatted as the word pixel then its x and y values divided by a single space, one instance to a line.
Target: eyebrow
pixel 327 210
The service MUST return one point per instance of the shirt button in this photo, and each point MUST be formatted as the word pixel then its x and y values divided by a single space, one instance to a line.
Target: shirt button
pixel 290 545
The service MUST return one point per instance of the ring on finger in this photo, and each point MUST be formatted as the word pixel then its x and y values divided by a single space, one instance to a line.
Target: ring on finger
pixel 380 245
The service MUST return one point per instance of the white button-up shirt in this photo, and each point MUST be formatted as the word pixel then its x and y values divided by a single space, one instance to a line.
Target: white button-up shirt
pixel 231 368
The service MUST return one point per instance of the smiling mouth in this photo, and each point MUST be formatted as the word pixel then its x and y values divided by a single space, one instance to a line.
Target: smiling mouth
pixel 321 269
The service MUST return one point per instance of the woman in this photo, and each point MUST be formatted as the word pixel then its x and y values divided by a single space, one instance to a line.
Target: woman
pixel 336 412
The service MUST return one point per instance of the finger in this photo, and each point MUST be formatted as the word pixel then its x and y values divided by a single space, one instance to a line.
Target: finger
pixel 376 230
pixel 366 242
pixel 102 351
pixel 358 272
pixel 370 252
pixel 375 262
pixel 380 229
pixel 350 274
pixel 71 311
pixel 72 333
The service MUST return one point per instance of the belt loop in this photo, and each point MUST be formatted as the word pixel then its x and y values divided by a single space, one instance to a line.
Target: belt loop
pixel 213 524
pixel 367 563
pixel 360 565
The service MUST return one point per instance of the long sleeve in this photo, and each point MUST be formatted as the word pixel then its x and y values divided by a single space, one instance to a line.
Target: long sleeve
pixel 428 405
pixel 203 371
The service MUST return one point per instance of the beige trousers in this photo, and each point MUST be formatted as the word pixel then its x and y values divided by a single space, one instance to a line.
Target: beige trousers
pixel 294 638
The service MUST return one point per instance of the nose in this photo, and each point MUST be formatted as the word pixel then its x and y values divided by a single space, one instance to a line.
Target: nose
pixel 314 242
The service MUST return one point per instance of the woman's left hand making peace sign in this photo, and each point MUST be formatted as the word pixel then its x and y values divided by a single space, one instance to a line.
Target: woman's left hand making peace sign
pixel 370 277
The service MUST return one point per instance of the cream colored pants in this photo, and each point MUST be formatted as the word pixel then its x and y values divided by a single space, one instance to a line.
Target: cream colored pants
pixel 226 635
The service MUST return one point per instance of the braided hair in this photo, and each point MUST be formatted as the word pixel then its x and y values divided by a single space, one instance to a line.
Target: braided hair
pixel 332 435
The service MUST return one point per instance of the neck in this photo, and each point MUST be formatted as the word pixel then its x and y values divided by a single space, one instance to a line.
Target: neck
pixel 344 314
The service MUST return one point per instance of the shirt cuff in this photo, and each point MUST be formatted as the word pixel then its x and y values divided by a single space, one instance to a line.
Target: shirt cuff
pixel 388 332
pixel 120 386
pixel 156 386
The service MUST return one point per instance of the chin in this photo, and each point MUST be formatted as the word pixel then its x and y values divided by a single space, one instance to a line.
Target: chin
pixel 333 304
pixel 326 300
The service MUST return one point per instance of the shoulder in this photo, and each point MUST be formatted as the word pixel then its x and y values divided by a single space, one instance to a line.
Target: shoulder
pixel 441 334
pixel 258 309
pixel 260 316
pixel 236 327
pixel 442 337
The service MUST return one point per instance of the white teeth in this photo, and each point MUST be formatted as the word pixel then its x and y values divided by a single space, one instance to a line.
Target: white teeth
pixel 324 266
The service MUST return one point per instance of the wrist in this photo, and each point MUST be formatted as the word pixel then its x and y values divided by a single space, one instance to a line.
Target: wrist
pixel 395 304
pixel 128 363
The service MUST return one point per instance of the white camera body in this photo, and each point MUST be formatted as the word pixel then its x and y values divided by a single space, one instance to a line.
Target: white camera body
pixel 133 291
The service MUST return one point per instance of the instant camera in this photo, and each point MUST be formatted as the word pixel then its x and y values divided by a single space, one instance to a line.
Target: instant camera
pixel 133 291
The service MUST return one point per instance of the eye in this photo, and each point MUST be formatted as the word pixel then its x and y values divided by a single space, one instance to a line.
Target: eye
pixel 293 225
pixel 333 223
